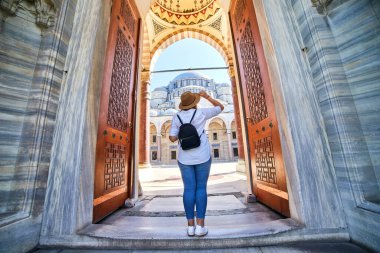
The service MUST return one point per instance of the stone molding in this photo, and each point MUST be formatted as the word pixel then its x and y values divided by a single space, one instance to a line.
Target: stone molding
pixel 231 72
pixel 145 81
pixel 45 11
pixel 321 5
pixel 145 77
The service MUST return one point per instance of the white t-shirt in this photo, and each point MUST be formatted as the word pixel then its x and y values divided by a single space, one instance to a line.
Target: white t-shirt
pixel 202 153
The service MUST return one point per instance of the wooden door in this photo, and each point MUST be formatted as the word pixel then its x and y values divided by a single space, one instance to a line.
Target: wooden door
pixel 269 179
pixel 113 150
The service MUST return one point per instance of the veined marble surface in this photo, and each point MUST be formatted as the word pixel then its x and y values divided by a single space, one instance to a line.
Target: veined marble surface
pixel 31 66
pixel 313 194
pixel 343 51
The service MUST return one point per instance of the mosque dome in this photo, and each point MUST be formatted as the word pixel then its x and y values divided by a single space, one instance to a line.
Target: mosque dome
pixel 170 112
pixel 165 100
pixel 190 75
pixel 154 112
pixel 160 89
pixel 229 108
pixel 224 92
pixel 224 85
pixel 159 94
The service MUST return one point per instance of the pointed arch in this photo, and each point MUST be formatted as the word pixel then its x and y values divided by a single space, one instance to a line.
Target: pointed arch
pixel 193 33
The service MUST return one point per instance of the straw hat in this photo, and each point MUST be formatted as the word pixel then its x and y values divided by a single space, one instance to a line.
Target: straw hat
pixel 189 100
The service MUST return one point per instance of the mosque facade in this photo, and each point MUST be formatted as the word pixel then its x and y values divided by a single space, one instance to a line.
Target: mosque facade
pixel 221 130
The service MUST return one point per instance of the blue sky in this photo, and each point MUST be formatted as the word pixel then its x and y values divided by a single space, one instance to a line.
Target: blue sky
pixel 188 53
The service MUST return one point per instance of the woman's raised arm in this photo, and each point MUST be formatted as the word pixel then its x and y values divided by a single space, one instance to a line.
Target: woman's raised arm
pixel 214 102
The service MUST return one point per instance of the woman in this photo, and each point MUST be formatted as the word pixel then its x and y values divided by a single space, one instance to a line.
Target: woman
pixel 195 163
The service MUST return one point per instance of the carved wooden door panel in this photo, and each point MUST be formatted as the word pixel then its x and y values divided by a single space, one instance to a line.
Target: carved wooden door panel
pixel 113 150
pixel 269 179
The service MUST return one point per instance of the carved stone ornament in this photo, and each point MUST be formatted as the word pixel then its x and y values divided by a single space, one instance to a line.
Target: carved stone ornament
pixel 217 24
pixel 158 27
pixel 45 10
pixel 46 13
pixel 10 6
pixel 321 5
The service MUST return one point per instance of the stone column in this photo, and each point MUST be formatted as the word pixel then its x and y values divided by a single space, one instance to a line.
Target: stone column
pixel 144 129
pixel 159 147
pixel 229 144
pixel 239 134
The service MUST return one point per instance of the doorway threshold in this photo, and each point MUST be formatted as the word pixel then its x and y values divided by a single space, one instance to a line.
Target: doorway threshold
pixel 163 217
pixel 149 226
pixel 225 232
pixel 174 228
pixel 158 221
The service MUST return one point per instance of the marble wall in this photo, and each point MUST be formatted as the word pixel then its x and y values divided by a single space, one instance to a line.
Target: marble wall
pixel 33 43
pixel 311 182
pixel 69 196
pixel 20 43
pixel 356 29
pixel 341 50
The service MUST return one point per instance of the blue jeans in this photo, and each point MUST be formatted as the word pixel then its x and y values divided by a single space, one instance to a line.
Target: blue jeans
pixel 194 179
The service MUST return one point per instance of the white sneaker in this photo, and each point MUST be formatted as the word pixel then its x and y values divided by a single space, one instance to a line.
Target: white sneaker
pixel 201 231
pixel 190 230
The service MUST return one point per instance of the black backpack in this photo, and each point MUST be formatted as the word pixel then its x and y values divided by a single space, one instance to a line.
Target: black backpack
pixel 188 135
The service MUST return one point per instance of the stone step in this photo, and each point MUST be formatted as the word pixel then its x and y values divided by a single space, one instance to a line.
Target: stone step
pixel 307 247
pixel 174 228
pixel 154 229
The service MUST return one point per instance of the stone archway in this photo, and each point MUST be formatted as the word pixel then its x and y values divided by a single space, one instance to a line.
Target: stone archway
pixel 193 33
pixel 168 149
pixel 69 175
pixel 158 34
pixel 161 30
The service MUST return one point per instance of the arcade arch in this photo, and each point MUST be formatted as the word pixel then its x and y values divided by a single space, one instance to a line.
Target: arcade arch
pixel 168 154
pixel 217 134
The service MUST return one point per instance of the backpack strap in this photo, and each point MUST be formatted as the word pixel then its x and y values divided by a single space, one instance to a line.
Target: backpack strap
pixel 180 119
pixel 193 116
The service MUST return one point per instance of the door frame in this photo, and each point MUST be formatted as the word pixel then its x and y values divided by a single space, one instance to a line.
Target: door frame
pixel 79 205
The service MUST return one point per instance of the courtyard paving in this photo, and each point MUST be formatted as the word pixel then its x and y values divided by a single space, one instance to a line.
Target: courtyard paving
pixel 166 180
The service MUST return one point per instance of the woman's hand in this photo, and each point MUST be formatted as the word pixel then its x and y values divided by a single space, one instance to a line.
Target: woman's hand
pixel 214 102
pixel 203 94
pixel 173 138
